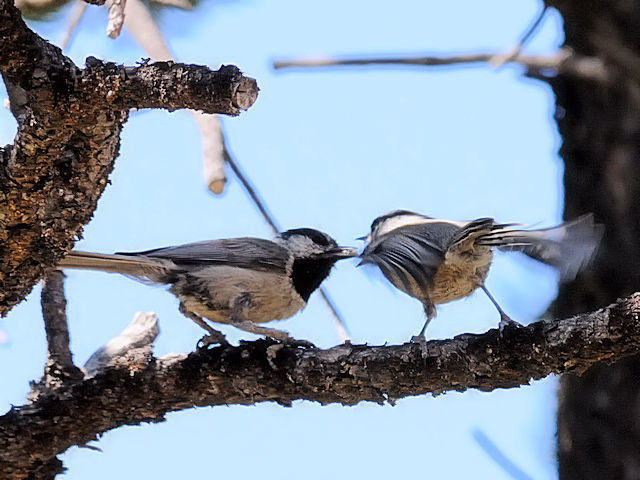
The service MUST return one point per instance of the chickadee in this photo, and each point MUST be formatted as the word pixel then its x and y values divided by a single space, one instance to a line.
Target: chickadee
pixel 437 261
pixel 239 281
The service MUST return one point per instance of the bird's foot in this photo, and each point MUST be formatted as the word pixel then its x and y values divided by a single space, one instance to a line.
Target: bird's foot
pixel 507 322
pixel 212 339
pixel 420 339
pixel 300 343
pixel 285 338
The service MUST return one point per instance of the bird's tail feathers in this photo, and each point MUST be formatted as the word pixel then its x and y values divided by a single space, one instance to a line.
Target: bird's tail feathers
pixel 569 247
pixel 134 266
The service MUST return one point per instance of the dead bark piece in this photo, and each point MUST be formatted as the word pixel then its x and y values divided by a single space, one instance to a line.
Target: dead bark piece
pixel 116 17
pixel 133 344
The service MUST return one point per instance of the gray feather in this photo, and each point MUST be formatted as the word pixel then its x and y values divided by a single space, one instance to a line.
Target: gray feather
pixel 254 253
pixel 138 267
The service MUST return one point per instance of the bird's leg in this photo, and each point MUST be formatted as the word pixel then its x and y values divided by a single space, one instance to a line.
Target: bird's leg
pixel 238 320
pixel 214 335
pixel 430 312
pixel 504 318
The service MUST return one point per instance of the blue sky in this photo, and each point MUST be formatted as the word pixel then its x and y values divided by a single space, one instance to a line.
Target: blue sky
pixel 330 149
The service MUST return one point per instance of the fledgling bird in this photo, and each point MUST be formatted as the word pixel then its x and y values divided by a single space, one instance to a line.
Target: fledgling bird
pixel 437 261
pixel 238 281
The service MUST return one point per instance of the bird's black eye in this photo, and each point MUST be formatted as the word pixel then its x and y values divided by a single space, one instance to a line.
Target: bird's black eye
pixel 316 237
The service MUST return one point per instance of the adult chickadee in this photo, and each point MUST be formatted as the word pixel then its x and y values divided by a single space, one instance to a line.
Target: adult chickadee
pixel 239 281
pixel 437 261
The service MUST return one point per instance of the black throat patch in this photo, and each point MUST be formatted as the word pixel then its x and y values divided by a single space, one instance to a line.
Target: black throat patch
pixel 308 273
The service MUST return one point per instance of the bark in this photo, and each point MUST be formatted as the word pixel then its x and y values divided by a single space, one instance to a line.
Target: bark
pixel 69 122
pixel 598 421
pixel 144 389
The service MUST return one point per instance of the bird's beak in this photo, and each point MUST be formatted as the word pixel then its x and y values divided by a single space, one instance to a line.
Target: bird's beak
pixel 341 252
pixel 365 238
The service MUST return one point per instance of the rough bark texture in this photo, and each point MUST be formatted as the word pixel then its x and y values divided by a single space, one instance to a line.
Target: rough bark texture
pixel 599 412
pixel 69 123
pixel 145 389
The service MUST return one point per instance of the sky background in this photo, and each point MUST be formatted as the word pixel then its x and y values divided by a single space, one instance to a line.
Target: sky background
pixel 330 149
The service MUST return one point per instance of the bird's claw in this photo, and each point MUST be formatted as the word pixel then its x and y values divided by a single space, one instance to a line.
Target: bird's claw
pixel 299 343
pixel 507 322
pixel 212 339
pixel 419 339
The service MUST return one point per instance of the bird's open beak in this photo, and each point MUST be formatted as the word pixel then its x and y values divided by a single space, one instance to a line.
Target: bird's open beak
pixel 341 252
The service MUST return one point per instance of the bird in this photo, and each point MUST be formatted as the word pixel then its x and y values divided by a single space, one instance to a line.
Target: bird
pixel 238 281
pixel 437 261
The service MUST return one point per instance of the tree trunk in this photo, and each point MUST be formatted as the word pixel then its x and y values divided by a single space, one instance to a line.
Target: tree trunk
pixel 598 413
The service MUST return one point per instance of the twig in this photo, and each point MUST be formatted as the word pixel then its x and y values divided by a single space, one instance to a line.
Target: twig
pixel 77 11
pixel 502 58
pixel 492 450
pixel 144 29
pixel 339 322
pixel 213 151
pixel 563 61
pixel 182 4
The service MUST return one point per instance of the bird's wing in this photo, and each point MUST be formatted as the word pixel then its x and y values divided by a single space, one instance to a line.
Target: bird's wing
pixel 254 253
pixel 410 256
pixel 465 238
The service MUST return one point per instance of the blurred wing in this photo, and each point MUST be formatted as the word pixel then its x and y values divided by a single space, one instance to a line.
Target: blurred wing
pixel 254 253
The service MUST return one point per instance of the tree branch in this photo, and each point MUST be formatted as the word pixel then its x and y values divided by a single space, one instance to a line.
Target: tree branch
pixel 59 366
pixel 69 123
pixel 261 371
pixel 168 85
pixel 563 61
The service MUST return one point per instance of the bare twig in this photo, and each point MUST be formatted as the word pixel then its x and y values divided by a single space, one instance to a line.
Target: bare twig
pixel 563 61
pixel 116 17
pixel 339 322
pixel 144 29
pixel 75 15
pixel 213 151
pixel 182 4
pixel 492 450
pixel 501 58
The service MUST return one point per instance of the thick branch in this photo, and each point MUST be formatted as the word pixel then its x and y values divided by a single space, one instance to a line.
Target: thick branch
pixel 261 371
pixel 170 85
pixel 69 123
